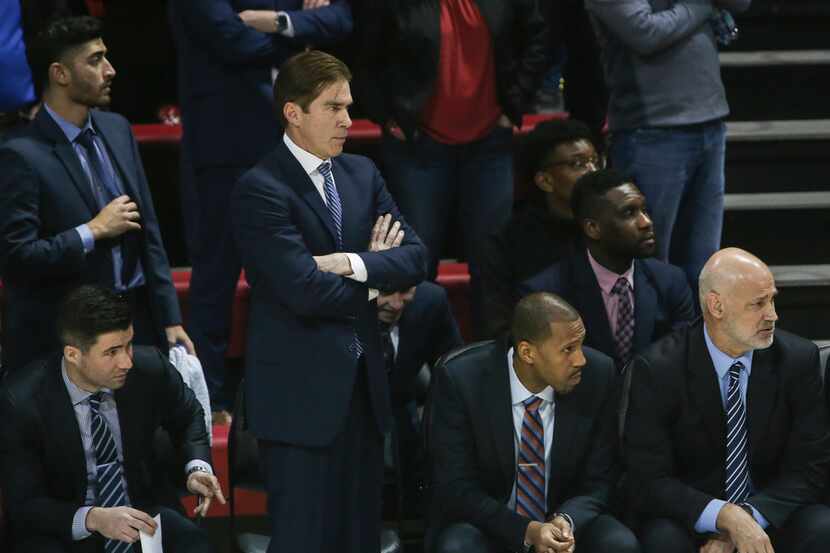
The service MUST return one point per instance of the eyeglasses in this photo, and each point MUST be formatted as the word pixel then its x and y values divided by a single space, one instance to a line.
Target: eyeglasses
pixel 580 163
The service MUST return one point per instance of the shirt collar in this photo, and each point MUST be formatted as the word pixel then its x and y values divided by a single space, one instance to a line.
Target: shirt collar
pixel 607 278
pixel 76 395
pixel 518 392
pixel 70 130
pixel 309 161
pixel 722 361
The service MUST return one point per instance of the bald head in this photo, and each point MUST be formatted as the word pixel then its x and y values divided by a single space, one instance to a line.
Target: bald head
pixel 728 268
pixel 535 313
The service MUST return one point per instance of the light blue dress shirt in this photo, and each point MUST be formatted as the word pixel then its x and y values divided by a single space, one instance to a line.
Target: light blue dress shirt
pixel 707 521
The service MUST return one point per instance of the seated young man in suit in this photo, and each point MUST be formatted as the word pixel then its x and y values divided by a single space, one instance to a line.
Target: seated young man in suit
pixel 75 441
pixel 416 328
pixel 627 299
pixel 523 441
pixel 726 440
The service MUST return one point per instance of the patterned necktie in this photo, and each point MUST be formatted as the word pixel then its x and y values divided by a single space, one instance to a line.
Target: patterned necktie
pixel 336 212
pixel 110 489
pixel 530 472
pixel 737 469
pixel 625 322
pixel 103 182
pixel 388 348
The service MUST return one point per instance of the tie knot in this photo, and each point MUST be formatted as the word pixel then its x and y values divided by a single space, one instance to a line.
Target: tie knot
pixel 85 138
pixel 735 370
pixel 95 401
pixel 325 169
pixel 532 404
pixel 621 286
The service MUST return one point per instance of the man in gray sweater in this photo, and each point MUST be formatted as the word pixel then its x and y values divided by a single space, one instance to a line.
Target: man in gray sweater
pixel 666 115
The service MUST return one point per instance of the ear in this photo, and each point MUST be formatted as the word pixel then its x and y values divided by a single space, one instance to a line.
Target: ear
pixel 591 229
pixel 543 181
pixel 292 113
pixel 72 354
pixel 714 304
pixel 526 352
pixel 59 74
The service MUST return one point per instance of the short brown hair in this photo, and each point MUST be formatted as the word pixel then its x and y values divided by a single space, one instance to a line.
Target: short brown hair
pixel 304 76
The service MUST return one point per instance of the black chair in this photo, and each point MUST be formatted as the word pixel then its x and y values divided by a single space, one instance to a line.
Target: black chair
pixel 245 472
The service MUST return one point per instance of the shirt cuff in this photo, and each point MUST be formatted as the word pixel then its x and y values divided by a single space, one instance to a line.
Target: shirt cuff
pixel 289 29
pixel 707 522
pixel 568 518
pixel 86 237
pixel 358 268
pixel 79 529
pixel 759 518
pixel 373 293
pixel 198 463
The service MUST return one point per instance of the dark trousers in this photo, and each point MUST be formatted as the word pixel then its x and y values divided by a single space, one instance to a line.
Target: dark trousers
pixel 806 531
pixel 178 535
pixel 428 179
pixel 604 534
pixel 323 499
pixel 216 268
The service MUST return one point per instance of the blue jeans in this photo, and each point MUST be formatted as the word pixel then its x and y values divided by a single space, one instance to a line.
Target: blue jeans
pixel 680 171
pixel 428 178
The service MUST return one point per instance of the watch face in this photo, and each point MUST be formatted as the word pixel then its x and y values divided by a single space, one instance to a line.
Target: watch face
pixel 282 22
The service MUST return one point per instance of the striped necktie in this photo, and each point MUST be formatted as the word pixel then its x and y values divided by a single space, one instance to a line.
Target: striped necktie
pixel 737 450
pixel 530 472
pixel 336 212
pixel 110 488
pixel 624 336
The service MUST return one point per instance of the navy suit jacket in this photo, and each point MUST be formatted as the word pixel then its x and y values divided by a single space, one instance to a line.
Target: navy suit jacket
pixel 300 371
pixel 44 195
pixel 225 73
pixel 662 299
pixel 426 331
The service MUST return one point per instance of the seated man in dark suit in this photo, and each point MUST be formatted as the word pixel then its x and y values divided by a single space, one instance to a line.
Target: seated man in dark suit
pixel 416 328
pixel 553 156
pixel 726 440
pixel 523 441
pixel 74 444
pixel 626 299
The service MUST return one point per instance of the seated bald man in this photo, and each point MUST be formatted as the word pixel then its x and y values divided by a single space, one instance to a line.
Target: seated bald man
pixel 726 438
pixel 523 441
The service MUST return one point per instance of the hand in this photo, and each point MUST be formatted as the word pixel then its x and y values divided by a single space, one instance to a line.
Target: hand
pixel 718 544
pixel 542 537
pixel 563 533
pixel 206 486
pixel 743 530
pixel 264 21
pixel 177 335
pixel 383 238
pixel 117 217
pixel 337 263
pixel 505 122
pixel 119 523
pixel 311 4
pixel 393 129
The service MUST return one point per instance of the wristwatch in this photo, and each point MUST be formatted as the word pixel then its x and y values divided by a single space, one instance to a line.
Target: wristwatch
pixel 197 468
pixel 281 22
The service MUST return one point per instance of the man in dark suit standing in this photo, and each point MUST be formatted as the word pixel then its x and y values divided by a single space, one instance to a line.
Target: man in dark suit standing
pixel 523 441
pixel 627 299
pixel 74 459
pixel 726 439
pixel 75 206
pixel 228 52
pixel 316 387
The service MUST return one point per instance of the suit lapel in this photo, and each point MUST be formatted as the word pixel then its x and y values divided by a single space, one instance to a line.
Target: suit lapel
pixel 587 298
pixel 66 153
pixel 760 395
pixel 645 306
pixel 705 391
pixel 350 205
pixel 298 179
pixel 119 150
pixel 565 425
pixel 497 393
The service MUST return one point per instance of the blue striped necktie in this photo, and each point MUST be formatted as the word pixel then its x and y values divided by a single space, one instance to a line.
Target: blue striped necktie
pixel 737 449
pixel 110 488
pixel 530 472
pixel 336 212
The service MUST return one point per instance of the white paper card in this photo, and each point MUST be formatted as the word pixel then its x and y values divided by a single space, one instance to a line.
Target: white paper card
pixel 152 544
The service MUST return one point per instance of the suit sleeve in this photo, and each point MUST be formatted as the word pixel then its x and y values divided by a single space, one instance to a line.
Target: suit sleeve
pixel 323 25
pixel 273 249
pixel 682 306
pixel 602 467
pixel 647 32
pixel 398 268
pixel 31 510
pixel 215 25
pixel 456 474
pixel 183 415
pixel 648 453
pixel 802 477
pixel 165 302
pixel 25 253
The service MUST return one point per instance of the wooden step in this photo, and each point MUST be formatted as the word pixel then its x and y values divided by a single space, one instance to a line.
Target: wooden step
pixel 766 58
pixel 767 131
pixel 777 200
pixel 801 275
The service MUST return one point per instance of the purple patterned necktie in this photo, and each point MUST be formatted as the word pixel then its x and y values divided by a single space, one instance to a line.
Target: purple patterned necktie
pixel 624 336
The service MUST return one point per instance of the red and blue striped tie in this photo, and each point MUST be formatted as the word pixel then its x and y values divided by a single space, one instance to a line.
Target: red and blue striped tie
pixel 530 473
